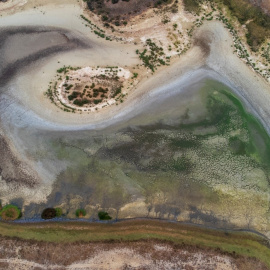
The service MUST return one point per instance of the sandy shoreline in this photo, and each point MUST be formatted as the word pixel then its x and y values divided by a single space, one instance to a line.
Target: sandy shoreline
pixel 221 64
pixel 226 66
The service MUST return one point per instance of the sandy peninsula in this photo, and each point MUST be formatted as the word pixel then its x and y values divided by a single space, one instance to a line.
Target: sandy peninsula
pixel 211 50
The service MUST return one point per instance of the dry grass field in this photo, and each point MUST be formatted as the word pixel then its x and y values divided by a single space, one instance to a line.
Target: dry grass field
pixel 123 245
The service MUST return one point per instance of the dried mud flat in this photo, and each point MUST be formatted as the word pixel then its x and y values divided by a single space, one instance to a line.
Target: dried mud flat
pixel 153 254
pixel 29 119
pixel 43 145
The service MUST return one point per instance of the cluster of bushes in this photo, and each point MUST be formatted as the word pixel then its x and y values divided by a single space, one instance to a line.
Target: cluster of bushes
pixel 49 94
pixel 10 212
pixel 73 95
pixel 257 23
pixel 98 31
pixel 100 34
pixel 68 87
pixel 117 92
pixel 81 102
pixel 266 53
pixel 153 57
pixel 50 213
pixel 160 2
pixel 99 7
pixel 101 90
pixel 65 69
pixel 92 24
pixel 240 49
pixel 97 101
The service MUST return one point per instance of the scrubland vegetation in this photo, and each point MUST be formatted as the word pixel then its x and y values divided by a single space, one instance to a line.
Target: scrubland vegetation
pixel 113 17
pixel 74 92
pixel 257 22
pixel 153 56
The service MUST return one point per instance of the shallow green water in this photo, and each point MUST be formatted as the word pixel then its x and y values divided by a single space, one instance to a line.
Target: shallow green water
pixel 194 157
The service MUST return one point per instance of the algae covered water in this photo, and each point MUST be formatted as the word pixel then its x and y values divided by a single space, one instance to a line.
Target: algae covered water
pixel 195 156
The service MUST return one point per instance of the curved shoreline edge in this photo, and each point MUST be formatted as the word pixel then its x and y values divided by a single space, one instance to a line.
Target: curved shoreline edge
pixel 11 110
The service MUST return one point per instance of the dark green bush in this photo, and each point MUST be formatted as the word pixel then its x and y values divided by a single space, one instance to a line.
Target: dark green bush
pixel 97 101
pixel 48 213
pixel 80 102
pixel 73 95
pixel 103 215
pixel 80 213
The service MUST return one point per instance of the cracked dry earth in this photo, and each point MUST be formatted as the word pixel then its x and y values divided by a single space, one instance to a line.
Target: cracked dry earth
pixel 22 255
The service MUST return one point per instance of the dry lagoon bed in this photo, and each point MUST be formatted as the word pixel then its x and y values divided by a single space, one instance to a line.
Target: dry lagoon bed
pixel 120 157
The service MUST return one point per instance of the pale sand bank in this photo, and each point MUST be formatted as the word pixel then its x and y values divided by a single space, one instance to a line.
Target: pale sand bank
pixel 33 82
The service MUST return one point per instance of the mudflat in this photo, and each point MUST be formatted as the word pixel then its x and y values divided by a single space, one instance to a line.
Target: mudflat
pixel 187 141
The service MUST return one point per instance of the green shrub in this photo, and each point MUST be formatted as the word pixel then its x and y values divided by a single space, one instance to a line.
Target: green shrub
pixel 97 101
pixel 80 102
pixel 59 212
pixel 73 95
pixel 80 213
pixel 103 215
pixel 257 23
pixel 10 212
pixel 117 92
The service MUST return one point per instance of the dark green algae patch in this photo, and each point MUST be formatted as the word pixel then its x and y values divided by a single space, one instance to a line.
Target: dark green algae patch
pixel 208 163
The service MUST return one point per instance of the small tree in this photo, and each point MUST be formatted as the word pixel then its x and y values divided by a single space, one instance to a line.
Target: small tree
pixel 59 212
pixel 80 213
pixel 48 213
pixel 10 212
pixel 103 215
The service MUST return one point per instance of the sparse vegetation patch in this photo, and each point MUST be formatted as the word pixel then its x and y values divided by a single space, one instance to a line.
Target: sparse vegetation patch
pixel 84 89
pixel 153 56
